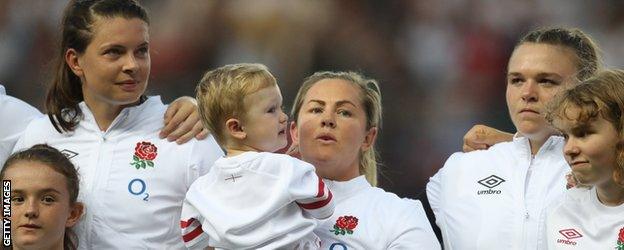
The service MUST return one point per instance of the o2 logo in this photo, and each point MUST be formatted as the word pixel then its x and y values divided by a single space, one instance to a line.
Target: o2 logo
pixel 338 246
pixel 138 187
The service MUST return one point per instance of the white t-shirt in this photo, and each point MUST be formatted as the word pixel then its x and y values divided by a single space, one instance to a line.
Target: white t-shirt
pixel 132 182
pixel 255 201
pixel 496 198
pixel 580 221
pixel 367 217
pixel 14 116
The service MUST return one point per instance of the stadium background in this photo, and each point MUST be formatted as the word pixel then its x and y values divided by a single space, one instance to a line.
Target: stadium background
pixel 441 64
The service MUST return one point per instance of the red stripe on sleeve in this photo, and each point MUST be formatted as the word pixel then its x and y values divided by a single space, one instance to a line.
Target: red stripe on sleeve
pixel 185 224
pixel 192 234
pixel 321 188
pixel 318 204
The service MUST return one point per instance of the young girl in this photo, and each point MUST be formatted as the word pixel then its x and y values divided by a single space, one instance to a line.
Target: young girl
pixel 44 189
pixel 590 118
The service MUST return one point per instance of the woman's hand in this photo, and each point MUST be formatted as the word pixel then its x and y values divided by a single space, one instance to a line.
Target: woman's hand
pixel 482 137
pixel 182 121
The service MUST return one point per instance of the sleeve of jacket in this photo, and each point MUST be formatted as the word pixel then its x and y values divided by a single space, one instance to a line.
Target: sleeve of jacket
pixel 310 192
pixel 190 224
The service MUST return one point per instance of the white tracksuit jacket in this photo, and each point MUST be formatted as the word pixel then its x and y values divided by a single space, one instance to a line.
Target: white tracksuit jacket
pixel 367 217
pixel 496 198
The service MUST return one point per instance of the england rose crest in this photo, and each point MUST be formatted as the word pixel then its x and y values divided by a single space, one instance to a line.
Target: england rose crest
pixel 144 154
pixel 620 241
pixel 345 225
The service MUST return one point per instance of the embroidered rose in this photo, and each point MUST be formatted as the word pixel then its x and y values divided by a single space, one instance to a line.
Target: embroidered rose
pixel 144 153
pixel 345 225
pixel 620 242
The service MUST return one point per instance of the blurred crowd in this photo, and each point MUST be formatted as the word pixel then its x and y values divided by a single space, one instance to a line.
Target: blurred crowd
pixel 441 64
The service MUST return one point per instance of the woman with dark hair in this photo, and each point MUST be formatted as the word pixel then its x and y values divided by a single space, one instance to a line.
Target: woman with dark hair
pixel 133 182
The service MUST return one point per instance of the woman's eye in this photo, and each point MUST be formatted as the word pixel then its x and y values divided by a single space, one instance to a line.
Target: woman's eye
pixel 143 51
pixel 549 82
pixel 48 199
pixel 514 80
pixel 316 110
pixel 344 113
pixel 113 52
pixel 271 110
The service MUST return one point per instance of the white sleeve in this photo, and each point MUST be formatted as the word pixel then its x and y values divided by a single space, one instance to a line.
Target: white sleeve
pixel 310 192
pixel 15 115
pixel 413 230
pixel 203 155
pixel 435 188
pixel 192 233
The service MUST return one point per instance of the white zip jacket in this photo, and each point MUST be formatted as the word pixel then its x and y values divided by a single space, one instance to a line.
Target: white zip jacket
pixel 367 217
pixel 496 198
pixel 14 116
pixel 580 221
pixel 132 182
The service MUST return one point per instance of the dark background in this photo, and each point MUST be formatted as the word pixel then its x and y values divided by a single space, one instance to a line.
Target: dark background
pixel 440 64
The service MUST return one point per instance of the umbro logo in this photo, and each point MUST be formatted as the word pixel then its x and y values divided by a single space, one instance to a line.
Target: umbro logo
pixel 68 153
pixel 569 234
pixel 490 182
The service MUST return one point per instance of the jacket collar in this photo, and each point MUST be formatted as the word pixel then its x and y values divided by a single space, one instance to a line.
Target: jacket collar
pixel 345 189
pixel 127 118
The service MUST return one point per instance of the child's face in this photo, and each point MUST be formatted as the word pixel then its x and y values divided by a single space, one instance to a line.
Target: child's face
pixel 40 209
pixel 590 148
pixel 265 122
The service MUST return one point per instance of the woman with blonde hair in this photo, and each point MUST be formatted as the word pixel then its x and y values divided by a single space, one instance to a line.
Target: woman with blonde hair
pixel 337 116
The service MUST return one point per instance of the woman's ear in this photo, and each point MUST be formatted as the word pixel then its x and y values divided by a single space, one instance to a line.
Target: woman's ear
pixel 369 139
pixel 294 133
pixel 235 129
pixel 73 61
pixel 77 209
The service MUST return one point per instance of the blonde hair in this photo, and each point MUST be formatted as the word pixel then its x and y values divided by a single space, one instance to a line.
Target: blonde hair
pixel 371 100
pixel 601 95
pixel 220 94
